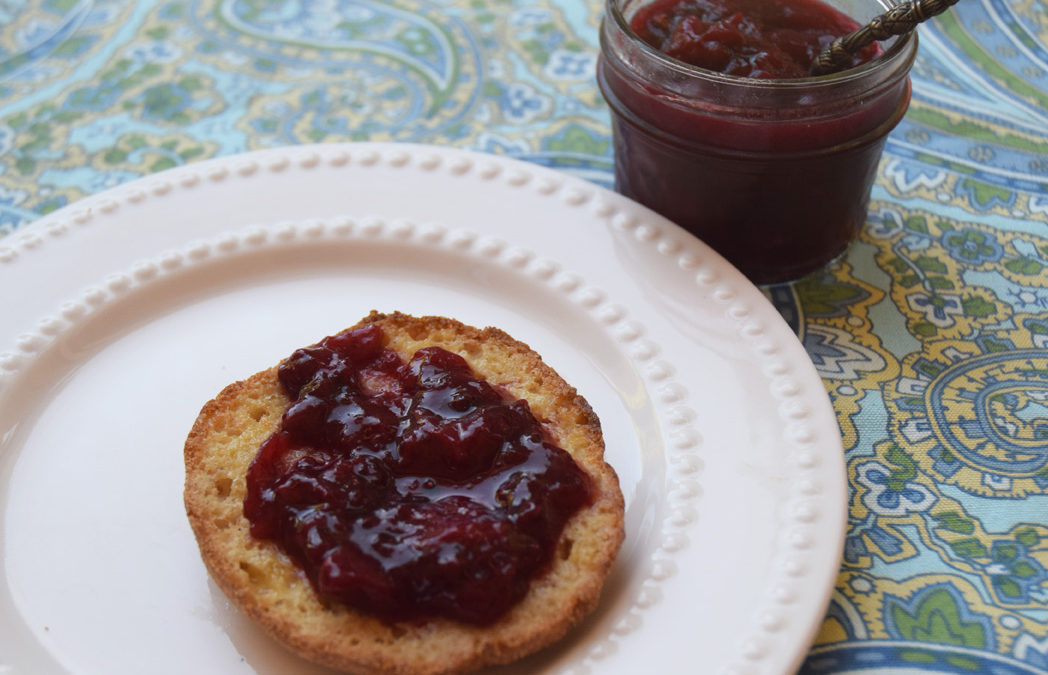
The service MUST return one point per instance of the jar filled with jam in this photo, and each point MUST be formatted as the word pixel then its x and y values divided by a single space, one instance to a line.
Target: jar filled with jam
pixel 719 125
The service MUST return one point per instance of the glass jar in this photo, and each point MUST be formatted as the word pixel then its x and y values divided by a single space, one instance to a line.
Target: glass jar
pixel 773 174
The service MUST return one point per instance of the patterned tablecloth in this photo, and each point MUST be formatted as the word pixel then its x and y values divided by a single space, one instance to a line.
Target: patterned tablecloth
pixel 931 335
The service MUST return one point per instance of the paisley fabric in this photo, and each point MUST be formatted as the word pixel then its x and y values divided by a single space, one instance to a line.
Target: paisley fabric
pixel 931 335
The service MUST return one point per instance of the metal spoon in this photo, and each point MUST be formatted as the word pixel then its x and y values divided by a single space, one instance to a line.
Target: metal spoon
pixel 896 21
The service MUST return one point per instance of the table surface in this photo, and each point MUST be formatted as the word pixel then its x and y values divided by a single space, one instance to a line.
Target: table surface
pixel 931 335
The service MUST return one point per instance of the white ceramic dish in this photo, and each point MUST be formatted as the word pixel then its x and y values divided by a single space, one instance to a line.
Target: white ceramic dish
pixel 125 312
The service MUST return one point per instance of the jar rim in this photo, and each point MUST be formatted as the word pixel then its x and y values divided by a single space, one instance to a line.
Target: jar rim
pixel 904 47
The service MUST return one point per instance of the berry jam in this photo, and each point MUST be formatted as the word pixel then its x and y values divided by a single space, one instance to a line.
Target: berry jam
pixel 772 171
pixel 770 39
pixel 410 490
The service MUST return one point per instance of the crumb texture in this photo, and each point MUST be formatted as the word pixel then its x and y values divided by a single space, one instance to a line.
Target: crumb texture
pixel 266 586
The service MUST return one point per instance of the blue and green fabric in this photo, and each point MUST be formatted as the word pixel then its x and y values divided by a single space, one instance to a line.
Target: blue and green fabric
pixel 931 335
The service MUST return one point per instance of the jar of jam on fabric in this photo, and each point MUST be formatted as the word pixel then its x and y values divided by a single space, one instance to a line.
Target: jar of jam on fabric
pixel 719 126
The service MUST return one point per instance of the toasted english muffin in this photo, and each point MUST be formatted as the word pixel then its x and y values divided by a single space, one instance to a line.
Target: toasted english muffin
pixel 269 587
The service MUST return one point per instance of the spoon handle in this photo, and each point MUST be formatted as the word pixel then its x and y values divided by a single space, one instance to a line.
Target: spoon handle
pixel 896 21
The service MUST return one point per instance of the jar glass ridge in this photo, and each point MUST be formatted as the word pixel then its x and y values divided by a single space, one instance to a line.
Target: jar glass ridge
pixel 774 174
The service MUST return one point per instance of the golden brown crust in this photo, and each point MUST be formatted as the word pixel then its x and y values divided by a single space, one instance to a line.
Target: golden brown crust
pixel 265 585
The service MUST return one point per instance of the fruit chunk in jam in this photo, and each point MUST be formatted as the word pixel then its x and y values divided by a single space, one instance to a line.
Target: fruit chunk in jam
pixel 410 490
pixel 766 39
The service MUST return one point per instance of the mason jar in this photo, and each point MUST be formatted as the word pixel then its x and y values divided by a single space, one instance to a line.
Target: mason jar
pixel 774 174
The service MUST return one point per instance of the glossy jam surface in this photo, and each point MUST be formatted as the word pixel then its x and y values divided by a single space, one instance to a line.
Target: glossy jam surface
pixel 410 490
pixel 770 39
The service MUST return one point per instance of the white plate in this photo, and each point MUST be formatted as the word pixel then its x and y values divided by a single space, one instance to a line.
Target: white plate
pixel 125 312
